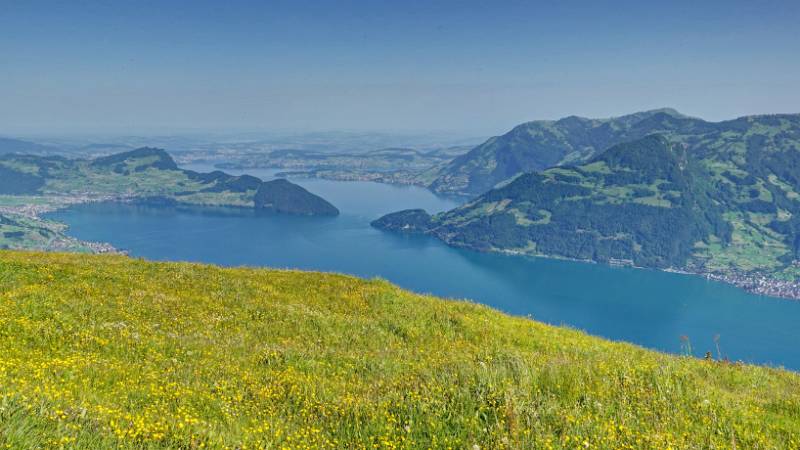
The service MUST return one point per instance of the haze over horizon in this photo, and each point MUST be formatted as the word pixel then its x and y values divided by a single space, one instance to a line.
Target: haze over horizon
pixel 471 67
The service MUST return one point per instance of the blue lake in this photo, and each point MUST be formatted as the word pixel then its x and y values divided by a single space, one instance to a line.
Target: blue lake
pixel 646 307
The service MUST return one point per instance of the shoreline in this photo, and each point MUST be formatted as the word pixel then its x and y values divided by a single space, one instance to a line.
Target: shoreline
pixel 56 203
pixel 756 283
pixel 760 284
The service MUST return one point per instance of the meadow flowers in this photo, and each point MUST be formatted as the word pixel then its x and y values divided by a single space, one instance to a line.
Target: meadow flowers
pixel 112 352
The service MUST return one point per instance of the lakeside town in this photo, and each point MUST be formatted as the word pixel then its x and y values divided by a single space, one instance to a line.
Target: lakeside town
pixel 22 225
pixel 762 284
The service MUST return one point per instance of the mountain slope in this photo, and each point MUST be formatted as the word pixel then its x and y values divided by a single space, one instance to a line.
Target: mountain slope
pixel 10 145
pixel 148 174
pixel 282 196
pixel 538 145
pixel 32 185
pixel 535 146
pixel 19 231
pixel 728 210
pixel 112 352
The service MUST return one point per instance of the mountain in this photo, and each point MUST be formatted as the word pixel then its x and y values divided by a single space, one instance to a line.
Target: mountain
pixel 113 352
pixel 13 182
pixel 150 174
pixel 9 145
pixel 538 145
pixel 637 201
pixel 139 160
pixel 723 200
pixel 535 146
pixel 96 148
pixel 281 196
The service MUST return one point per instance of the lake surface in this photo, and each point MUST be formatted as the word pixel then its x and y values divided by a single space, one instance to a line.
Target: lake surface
pixel 650 308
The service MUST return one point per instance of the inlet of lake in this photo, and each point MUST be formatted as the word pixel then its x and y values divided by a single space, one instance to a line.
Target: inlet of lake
pixel 646 307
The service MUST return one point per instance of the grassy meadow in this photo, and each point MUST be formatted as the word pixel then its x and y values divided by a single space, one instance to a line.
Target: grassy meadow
pixel 112 352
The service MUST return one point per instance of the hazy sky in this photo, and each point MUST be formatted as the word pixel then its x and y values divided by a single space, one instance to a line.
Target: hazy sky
pixel 477 67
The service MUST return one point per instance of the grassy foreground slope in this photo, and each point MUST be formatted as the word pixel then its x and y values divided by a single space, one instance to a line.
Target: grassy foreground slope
pixel 112 352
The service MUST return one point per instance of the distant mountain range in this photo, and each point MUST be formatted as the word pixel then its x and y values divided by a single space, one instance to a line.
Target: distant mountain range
pixel 150 174
pixel 538 145
pixel 9 145
pixel 718 198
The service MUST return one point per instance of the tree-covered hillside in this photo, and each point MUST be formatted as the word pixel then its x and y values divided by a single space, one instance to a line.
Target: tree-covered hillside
pixel 31 185
pixel 146 174
pixel 535 146
pixel 724 204
pixel 10 145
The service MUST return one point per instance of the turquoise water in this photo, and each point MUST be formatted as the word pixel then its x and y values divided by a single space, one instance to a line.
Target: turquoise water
pixel 646 307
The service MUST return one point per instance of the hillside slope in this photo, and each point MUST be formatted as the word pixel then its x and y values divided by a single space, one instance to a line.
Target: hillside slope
pixel 111 352
pixel 10 145
pixel 147 174
pixel 732 212
pixel 31 185
pixel 539 145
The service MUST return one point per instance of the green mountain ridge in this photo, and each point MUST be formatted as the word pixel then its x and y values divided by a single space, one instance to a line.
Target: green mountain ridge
pixel 150 174
pixel 281 196
pixel 730 209
pixel 538 145
pixel 8 145
pixel 31 185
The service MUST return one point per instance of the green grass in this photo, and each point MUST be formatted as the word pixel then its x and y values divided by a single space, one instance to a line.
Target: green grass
pixel 146 183
pixel 22 200
pixel 790 193
pixel 112 352
pixel 752 248
pixel 28 233
pixel 83 178
pixel 596 167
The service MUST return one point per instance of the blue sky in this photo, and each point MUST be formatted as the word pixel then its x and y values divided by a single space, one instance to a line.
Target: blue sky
pixel 473 67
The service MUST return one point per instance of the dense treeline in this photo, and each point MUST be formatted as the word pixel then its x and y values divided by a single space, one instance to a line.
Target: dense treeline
pixel 653 202
pixel 583 225
pixel 119 161
pixel 13 182
pixel 539 145
pixel 150 175
pixel 281 196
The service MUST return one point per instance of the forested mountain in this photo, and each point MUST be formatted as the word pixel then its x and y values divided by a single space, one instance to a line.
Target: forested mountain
pixel 282 196
pixel 535 146
pixel 149 174
pixel 724 199
pixel 10 145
